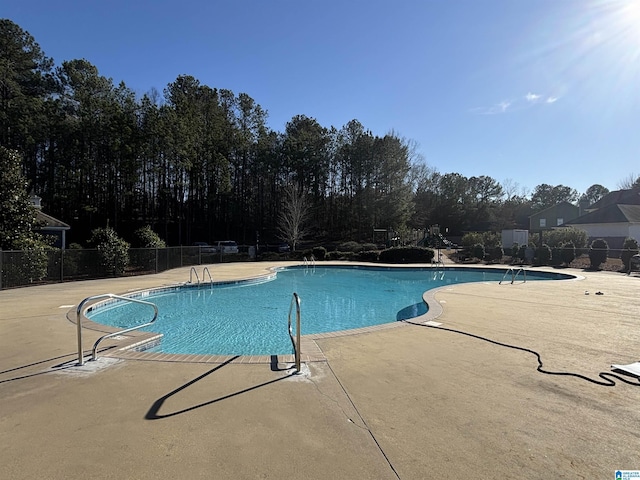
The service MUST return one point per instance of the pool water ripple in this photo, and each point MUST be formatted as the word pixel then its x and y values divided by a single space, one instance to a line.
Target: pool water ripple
pixel 250 318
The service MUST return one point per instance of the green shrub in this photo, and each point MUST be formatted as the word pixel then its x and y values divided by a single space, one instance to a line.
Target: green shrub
pixel 598 253
pixel 543 254
pixel 406 255
pixel 145 237
pixel 558 236
pixel 367 256
pixel 491 240
pixel 477 251
pixel 112 250
pixel 319 253
pixel 567 252
pixel 349 247
pixel 496 253
pixel 470 239
pixel 629 249
pixel 522 253
pixel 514 250
pixel 34 259
pixel 78 262
pixel 270 256
pixel 335 255
pixel 369 246
pixel 488 239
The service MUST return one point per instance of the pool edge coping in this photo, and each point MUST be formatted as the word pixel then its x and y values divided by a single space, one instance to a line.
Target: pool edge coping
pixel 126 350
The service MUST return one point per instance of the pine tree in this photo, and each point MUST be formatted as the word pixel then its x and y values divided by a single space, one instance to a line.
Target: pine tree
pixel 17 216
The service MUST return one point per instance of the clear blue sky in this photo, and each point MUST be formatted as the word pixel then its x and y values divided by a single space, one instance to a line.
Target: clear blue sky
pixel 529 91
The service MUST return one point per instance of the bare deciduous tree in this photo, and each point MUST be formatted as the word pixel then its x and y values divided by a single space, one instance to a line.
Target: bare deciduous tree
pixel 630 181
pixel 293 216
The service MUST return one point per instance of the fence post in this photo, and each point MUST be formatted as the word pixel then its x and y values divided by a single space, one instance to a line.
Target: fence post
pixel 62 264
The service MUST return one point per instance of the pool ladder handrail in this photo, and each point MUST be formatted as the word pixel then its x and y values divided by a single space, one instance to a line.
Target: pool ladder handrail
pixel 311 261
pixel 194 272
pixel 296 343
pixel 437 263
pixel 79 311
pixel 206 270
pixel 514 274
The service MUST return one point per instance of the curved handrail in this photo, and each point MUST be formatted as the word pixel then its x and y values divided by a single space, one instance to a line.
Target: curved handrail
pixel 206 270
pixel 193 271
pixel 436 265
pixel 79 311
pixel 514 274
pixel 296 343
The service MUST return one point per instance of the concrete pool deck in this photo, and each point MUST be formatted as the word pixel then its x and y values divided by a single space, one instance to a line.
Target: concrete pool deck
pixel 409 403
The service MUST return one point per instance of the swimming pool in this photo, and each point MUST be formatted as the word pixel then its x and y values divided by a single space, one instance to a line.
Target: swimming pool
pixel 250 317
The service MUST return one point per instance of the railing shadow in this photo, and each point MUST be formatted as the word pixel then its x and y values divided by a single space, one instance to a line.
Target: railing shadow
pixel 153 413
pixel 52 369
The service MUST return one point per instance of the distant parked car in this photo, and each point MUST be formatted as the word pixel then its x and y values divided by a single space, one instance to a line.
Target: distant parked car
pixel 227 246
pixel 284 248
pixel 205 247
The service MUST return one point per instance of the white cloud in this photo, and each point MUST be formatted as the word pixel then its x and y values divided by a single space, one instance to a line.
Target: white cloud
pixel 506 106
pixel 503 106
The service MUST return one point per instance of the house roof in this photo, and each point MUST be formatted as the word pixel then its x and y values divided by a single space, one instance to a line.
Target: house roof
pixel 610 214
pixel 624 197
pixel 47 222
pixel 555 207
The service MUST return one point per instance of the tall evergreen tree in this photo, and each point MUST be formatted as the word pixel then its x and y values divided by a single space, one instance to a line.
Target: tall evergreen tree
pixel 17 216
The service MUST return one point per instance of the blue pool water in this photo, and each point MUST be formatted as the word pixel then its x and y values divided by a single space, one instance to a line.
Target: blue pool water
pixel 250 318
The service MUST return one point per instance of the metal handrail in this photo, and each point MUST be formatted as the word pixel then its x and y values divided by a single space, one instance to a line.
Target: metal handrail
pixel 79 311
pixel 296 343
pixel 514 274
pixel 206 270
pixel 193 271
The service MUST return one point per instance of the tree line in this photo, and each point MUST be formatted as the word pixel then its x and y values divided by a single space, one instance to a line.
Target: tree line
pixel 199 163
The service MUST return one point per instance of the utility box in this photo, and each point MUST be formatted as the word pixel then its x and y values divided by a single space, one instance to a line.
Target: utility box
pixel 509 237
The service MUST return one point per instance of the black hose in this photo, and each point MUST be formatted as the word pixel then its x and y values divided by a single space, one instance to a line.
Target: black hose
pixel 607 378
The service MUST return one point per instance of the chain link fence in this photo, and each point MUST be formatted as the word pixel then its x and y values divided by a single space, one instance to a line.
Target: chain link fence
pixel 22 268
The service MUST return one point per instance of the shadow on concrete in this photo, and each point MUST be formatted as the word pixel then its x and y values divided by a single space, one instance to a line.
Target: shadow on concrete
pixel 53 369
pixel 153 414
pixel 69 363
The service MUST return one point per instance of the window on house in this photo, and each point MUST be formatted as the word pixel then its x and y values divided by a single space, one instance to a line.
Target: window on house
pixel 543 222
pixel 560 221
